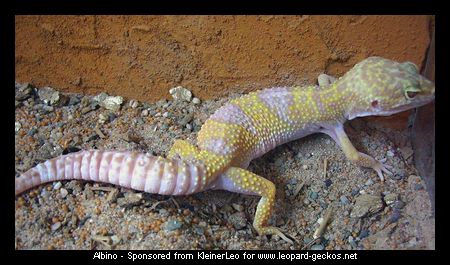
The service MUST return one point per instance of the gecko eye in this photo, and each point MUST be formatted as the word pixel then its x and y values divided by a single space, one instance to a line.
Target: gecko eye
pixel 411 94
pixel 374 103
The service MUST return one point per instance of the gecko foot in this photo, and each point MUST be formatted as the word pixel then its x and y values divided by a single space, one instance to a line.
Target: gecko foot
pixel 380 167
pixel 377 165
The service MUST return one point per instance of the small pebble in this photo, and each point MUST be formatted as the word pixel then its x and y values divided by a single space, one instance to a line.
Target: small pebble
pixel 369 182
pixel 395 216
pixel 32 131
pixel 317 247
pixel 366 205
pixel 44 194
pixel 112 116
pixel 196 101
pixel 133 104
pixel 166 105
pixel 389 153
pixel 238 207
pixel 172 225
pixel 390 198
pixel 23 92
pixel 164 127
pixel 163 212
pixel 57 185
pixel 115 239
pixel 186 119
pixel 48 95
pixel 18 126
pixel 102 118
pixel 109 102
pixel 238 220
pixel 74 100
pixel 305 167
pixel 199 230
pixel 412 242
pixel 293 181
pixel 344 200
pixel 364 233
pixel 328 182
pixel 306 201
pixel 130 200
pixel 144 112
pixel 64 192
pixel 313 195
pixel 352 242
pixel 181 93
pixel 56 226
pixel 399 204
pixel 186 212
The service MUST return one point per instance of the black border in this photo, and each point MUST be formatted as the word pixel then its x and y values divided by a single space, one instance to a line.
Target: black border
pixel 227 7
pixel 141 7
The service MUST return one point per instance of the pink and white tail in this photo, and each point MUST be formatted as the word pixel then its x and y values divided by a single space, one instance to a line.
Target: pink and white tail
pixel 134 170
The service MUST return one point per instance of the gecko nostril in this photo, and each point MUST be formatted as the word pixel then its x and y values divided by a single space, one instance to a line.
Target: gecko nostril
pixel 375 103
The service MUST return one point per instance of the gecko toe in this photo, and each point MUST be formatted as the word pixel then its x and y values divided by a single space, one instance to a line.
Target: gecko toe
pixel 271 230
pixel 380 174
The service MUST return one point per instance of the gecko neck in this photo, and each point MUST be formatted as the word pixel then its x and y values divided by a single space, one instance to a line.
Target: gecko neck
pixel 334 100
pixel 343 90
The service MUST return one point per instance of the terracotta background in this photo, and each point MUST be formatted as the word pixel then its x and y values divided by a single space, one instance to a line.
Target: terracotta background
pixel 142 57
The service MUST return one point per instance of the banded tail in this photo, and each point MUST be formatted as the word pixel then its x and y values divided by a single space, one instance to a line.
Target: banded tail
pixel 134 170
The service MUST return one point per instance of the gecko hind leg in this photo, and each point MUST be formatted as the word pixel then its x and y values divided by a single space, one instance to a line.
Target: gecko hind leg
pixel 243 181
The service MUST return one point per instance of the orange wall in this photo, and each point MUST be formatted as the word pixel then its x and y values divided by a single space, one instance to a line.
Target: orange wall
pixel 142 57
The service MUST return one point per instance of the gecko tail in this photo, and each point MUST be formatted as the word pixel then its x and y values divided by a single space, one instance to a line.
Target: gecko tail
pixel 139 171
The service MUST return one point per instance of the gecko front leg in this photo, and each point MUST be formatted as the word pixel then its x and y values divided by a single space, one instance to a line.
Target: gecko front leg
pixel 243 181
pixel 325 80
pixel 338 134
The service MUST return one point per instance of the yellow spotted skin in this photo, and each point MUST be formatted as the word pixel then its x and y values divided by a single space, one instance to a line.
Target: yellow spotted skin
pixel 182 149
pixel 236 137
pixel 306 109
pixel 252 125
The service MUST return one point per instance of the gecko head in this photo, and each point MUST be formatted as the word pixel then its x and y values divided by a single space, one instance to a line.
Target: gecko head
pixel 381 87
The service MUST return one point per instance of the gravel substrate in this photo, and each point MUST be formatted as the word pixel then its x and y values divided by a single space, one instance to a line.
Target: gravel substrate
pixel 365 213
